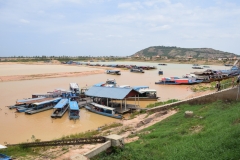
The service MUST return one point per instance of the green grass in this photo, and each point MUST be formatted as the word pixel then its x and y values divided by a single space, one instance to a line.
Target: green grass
pixel 226 83
pixel 213 133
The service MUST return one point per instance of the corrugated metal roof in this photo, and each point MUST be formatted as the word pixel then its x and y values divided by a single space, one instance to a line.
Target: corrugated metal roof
pixel 61 103
pixel 108 92
pixel 73 105
pixel 48 101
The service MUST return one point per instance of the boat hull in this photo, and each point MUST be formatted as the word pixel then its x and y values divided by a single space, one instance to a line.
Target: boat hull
pixel 102 113
pixel 174 83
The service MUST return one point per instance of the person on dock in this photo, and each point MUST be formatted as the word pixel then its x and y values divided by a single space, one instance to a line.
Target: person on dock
pixel 238 79
pixel 233 82
pixel 218 86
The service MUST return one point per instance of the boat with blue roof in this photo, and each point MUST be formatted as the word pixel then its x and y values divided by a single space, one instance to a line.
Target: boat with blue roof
pixel 47 104
pixel 60 108
pixel 73 112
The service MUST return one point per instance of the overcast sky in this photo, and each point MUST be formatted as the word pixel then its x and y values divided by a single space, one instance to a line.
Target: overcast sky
pixel 116 27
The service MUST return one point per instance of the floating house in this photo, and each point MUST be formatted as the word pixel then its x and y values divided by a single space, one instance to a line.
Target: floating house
pixel 114 97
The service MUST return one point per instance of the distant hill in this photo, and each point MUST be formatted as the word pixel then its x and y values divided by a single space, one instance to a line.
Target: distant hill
pixel 174 52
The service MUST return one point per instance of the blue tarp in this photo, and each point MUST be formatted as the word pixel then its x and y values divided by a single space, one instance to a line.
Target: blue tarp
pixel 73 105
pixel 61 103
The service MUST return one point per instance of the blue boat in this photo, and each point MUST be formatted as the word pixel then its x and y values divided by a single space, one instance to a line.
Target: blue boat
pixel 23 102
pixel 160 72
pixel 103 110
pixel 60 108
pixel 74 111
pixel 47 104
pixel 4 157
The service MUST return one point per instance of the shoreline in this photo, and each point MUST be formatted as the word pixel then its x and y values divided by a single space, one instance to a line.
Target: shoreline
pixel 48 75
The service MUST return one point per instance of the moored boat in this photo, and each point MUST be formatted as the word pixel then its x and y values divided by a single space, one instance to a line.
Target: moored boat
pixel 74 111
pixel 145 94
pixel 113 72
pixel 197 67
pixel 60 108
pixel 136 70
pixel 178 81
pixel 47 104
pixel 103 110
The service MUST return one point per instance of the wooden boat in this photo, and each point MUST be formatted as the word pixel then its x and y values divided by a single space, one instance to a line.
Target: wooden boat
pixel 197 67
pixel 24 102
pixel 103 110
pixel 114 72
pixel 206 66
pixel 136 70
pixel 162 64
pixel 60 108
pixel 73 111
pixel 47 104
pixel 145 94
pixel 178 81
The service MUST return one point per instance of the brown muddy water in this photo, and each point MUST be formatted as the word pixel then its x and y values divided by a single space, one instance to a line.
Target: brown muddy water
pixel 18 127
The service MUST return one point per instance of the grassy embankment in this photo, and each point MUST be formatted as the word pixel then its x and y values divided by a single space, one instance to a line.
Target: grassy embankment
pixel 226 83
pixel 213 133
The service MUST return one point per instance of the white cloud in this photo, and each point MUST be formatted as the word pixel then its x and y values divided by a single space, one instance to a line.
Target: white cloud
pixel 24 21
pixel 113 36
pixel 160 28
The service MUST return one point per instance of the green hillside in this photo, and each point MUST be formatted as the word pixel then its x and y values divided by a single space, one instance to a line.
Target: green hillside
pixel 213 133
pixel 173 52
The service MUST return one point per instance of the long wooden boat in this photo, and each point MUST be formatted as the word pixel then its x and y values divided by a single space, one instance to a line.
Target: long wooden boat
pixel 43 106
pixel 60 108
pixel 114 72
pixel 74 111
pixel 24 102
pixel 136 70
pixel 28 105
pixel 103 110
pixel 178 81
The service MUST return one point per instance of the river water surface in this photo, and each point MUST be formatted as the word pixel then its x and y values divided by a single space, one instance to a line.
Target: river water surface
pixel 18 127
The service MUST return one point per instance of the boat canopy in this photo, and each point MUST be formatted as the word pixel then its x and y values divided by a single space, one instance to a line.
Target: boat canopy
pixel 124 86
pixel 61 103
pixel 47 101
pixel 137 88
pixel 147 90
pixel 74 85
pixel 30 99
pixel 102 106
pixel 73 105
